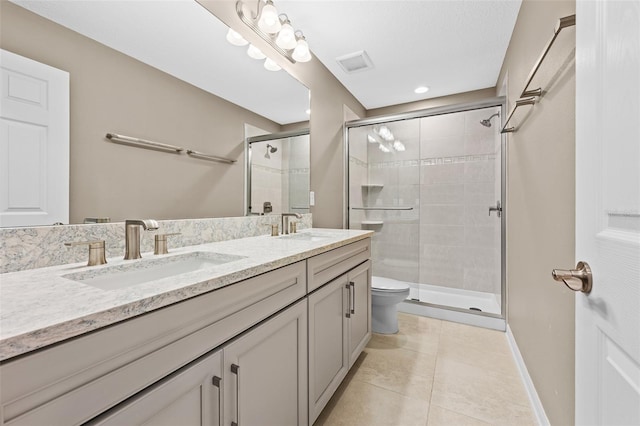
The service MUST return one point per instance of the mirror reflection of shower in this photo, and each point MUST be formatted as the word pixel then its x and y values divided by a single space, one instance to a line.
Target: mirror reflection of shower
pixel 270 150
pixel 277 172
pixel 487 121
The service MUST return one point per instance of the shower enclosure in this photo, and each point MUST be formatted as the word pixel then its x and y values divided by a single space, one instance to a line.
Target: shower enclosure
pixel 278 173
pixel 430 185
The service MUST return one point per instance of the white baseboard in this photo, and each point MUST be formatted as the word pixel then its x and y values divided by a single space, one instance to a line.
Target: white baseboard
pixel 536 404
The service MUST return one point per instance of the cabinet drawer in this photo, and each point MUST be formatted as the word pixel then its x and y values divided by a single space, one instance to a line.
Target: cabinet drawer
pixel 326 266
pixel 57 386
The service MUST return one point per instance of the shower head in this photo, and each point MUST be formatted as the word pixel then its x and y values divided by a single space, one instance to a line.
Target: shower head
pixel 487 121
pixel 270 150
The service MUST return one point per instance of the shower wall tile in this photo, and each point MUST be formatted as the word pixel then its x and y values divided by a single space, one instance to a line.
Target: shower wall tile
pixel 442 235
pixel 480 171
pixel 479 143
pixel 442 215
pixel 442 265
pixel 442 173
pixel 442 147
pixel 442 126
pixel 479 267
pixel 442 194
pixel 480 280
pixel 480 236
pixel 409 174
pixel 481 193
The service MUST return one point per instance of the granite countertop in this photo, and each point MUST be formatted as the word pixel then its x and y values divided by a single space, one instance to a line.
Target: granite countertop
pixel 40 307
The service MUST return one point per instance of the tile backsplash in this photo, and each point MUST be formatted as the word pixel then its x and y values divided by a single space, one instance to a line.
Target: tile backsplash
pixel 42 246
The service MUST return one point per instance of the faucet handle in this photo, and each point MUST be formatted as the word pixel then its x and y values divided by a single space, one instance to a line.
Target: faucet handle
pixel 160 246
pixel 96 251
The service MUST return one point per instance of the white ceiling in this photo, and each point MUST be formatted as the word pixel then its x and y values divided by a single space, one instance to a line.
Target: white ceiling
pixel 451 46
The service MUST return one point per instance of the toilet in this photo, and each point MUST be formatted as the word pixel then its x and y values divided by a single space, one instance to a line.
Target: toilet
pixel 386 293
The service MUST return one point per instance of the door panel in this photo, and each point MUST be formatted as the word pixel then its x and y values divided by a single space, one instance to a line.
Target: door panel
pixel 34 143
pixel 608 211
pixel 360 320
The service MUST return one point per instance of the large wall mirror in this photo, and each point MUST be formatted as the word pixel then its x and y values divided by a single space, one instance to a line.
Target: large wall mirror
pixel 160 71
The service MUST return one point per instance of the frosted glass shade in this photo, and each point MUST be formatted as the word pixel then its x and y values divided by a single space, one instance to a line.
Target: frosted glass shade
pixel 301 52
pixel 271 65
pixel 269 21
pixel 236 39
pixel 286 37
pixel 255 53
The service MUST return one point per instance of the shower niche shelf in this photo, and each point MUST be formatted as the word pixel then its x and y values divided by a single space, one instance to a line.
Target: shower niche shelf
pixel 542 77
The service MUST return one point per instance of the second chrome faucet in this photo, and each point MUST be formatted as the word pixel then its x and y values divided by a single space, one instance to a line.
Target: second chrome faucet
pixel 132 236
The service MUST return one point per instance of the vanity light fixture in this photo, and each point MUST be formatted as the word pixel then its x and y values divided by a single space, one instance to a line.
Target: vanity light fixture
pixel 275 29
pixel 255 53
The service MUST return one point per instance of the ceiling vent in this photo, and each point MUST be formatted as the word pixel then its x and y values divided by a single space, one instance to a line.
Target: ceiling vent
pixel 355 62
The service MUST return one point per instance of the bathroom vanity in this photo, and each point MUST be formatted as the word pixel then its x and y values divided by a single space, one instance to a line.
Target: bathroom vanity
pixel 265 337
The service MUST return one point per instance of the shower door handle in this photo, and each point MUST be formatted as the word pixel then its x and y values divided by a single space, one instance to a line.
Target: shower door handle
pixel 497 208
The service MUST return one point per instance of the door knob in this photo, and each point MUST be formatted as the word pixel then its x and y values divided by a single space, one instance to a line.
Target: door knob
pixel 579 279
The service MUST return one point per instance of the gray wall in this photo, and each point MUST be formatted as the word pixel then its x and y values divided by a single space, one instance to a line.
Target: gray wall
pixel 111 92
pixel 540 207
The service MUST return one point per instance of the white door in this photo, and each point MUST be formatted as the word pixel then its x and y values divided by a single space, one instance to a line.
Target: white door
pixel 607 347
pixel 34 143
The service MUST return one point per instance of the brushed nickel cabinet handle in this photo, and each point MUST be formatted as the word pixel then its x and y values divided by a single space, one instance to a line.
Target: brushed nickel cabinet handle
pixel 216 382
pixel 348 287
pixel 235 369
pixel 353 298
pixel 579 279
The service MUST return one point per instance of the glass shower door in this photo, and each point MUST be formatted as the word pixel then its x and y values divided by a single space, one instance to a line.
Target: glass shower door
pixel 384 196
pixel 460 241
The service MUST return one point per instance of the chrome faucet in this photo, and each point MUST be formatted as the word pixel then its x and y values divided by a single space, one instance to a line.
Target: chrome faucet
pixel 132 236
pixel 285 221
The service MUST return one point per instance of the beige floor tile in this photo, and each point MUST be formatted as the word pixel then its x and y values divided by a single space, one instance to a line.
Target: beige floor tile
pixel 481 338
pixel 363 404
pixel 416 333
pixel 465 374
pixel 457 349
pixel 475 392
pixel 406 372
pixel 439 416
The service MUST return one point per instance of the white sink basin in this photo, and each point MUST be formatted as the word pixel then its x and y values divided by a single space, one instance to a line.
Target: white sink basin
pixel 145 271
pixel 307 236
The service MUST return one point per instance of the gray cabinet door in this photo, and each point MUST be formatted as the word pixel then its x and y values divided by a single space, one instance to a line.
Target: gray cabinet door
pixel 328 343
pixel 190 397
pixel 360 310
pixel 265 372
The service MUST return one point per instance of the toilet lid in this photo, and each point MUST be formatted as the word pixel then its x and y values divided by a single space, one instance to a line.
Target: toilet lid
pixel 388 284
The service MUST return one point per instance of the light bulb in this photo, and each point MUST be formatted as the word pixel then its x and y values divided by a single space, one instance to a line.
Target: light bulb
pixel 271 65
pixel 286 37
pixel 236 39
pixel 301 52
pixel 255 53
pixel 269 21
pixel 398 146
pixel 383 148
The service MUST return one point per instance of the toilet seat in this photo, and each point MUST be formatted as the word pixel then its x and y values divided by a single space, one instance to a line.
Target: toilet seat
pixel 388 285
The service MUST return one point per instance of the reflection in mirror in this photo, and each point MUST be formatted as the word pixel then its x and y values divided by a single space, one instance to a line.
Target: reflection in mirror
pixel 138 71
pixel 278 173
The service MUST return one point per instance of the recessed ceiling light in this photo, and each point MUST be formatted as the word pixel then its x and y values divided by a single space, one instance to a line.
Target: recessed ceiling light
pixel 421 89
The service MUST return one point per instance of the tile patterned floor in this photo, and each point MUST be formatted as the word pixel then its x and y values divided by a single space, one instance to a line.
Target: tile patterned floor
pixel 432 373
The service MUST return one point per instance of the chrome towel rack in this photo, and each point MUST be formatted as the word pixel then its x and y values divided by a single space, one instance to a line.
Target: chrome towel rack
pixel 381 208
pixel 143 143
pixel 128 140
pixel 196 154
pixel 529 96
